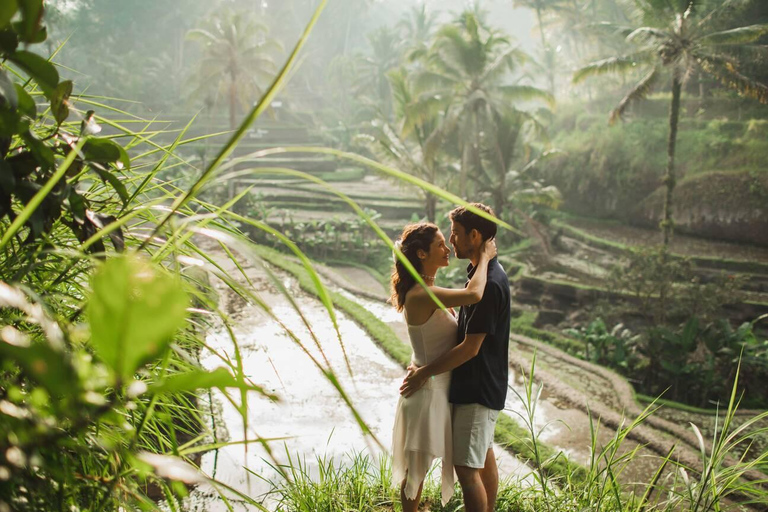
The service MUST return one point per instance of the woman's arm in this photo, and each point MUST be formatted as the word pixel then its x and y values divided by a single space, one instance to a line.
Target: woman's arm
pixel 472 294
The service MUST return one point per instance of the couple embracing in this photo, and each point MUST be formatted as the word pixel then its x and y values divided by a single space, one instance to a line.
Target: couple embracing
pixel 457 381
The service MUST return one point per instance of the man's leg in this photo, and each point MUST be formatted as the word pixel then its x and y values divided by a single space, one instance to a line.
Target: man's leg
pixel 490 478
pixel 475 499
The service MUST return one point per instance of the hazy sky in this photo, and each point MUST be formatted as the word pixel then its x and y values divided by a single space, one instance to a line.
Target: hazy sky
pixel 520 23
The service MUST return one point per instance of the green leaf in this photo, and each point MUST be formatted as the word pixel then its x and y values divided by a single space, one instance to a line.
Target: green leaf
pixel 77 206
pixel 115 182
pixel 42 153
pixel 40 69
pixel 9 41
pixel 134 310
pixel 106 151
pixel 201 379
pixel 7 178
pixel 9 123
pixel 31 17
pixel 8 91
pixel 7 10
pixel 27 105
pixel 59 104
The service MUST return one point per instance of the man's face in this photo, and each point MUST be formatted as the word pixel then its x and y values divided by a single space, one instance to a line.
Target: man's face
pixel 460 240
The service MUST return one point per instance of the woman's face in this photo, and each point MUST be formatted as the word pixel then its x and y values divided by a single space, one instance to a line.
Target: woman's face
pixel 439 253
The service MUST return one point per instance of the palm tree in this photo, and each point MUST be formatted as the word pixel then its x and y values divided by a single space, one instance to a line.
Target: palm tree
pixel 510 154
pixel 416 144
pixel 237 59
pixel 677 38
pixel 468 67
pixel 372 69
pixel 417 26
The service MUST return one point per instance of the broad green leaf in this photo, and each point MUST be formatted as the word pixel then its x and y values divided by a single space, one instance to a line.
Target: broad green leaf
pixel 42 71
pixel 7 178
pixel 31 17
pixel 7 10
pixel 201 379
pixel 135 308
pixel 27 105
pixel 77 206
pixel 9 41
pixel 59 104
pixel 106 151
pixel 8 91
pixel 115 182
pixel 43 154
pixel 9 123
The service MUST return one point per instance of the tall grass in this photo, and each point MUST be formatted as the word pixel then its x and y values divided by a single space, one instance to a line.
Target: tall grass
pixel 339 485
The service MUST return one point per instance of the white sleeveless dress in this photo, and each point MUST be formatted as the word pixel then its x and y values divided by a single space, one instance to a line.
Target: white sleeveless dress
pixel 422 429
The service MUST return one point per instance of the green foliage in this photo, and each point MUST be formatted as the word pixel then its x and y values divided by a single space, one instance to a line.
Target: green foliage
pixel 685 349
pixel 45 162
pixel 622 165
pixel 237 63
pixel 614 348
pixel 98 410
pixel 133 313
pixel 675 487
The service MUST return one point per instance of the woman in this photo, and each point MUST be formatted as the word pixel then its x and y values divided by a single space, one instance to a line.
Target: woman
pixel 422 429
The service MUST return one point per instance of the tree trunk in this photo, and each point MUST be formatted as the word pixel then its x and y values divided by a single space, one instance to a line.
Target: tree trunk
pixel 498 199
pixel 669 179
pixel 541 27
pixel 233 102
pixel 431 206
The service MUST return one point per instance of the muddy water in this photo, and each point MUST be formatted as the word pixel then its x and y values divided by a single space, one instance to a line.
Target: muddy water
pixel 310 420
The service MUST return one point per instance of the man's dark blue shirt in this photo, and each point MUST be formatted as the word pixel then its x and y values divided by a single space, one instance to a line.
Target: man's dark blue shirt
pixel 483 379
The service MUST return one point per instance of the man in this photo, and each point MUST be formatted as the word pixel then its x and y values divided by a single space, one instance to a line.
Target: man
pixel 480 364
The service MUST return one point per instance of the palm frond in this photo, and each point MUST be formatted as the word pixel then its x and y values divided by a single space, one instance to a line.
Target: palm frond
pixel 610 65
pixel 724 69
pixel 741 35
pixel 504 62
pixel 608 28
pixel 638 92
pixel 648 34
pixel 514 93
pixel 431 80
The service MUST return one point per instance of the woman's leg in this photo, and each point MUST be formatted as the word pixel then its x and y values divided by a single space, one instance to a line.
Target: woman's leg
pixel 410 505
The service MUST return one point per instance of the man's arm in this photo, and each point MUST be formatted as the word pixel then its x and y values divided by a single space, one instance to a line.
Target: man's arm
pixel 454 358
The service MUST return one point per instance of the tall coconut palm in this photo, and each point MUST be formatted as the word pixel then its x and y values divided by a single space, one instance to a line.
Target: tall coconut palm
pixel 511 149
pixel 470 67
pixel 416 143
pixel 675 39
pixel 417 25
pixel 237 62
pixel 372 69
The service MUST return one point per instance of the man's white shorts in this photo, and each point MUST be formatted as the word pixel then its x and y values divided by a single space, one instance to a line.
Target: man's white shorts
pixel 473 427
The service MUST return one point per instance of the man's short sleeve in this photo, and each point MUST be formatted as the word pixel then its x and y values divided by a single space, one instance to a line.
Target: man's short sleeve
pixel 485 314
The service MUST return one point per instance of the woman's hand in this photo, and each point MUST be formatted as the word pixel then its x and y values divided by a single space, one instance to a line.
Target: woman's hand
pixel 488 250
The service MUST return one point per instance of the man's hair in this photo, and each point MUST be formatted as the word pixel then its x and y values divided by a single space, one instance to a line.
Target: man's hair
pixel 470 220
